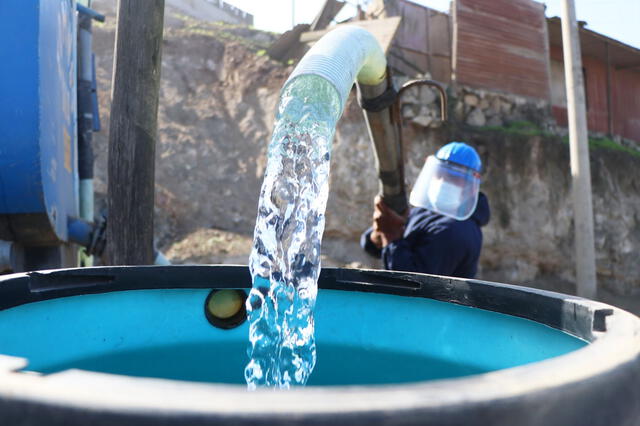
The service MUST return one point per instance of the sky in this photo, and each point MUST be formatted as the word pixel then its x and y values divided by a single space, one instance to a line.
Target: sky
pixel 618 19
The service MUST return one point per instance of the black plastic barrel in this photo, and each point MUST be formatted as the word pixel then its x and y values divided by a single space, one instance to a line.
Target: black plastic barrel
pixel 51 314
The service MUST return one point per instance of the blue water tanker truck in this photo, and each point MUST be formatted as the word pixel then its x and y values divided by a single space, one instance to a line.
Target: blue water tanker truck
pixel 48 111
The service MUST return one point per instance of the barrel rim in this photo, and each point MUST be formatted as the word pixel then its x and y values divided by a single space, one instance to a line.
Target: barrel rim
pixel 614 348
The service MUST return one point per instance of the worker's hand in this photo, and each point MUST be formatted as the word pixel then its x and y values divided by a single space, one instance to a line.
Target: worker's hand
pixel 389 224
pixel 376 238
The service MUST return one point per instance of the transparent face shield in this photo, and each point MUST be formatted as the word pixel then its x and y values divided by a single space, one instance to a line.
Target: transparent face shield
pixel 446 188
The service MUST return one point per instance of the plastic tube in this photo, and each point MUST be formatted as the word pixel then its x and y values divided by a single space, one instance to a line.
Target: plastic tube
pixel 79 231
pixel 342 55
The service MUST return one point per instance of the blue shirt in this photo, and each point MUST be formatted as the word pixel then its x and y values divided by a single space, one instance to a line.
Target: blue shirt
pixel 435 244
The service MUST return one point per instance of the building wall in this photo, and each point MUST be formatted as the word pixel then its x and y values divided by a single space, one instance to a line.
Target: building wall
pixel 501 45
pixel 595 76
pixel 625 96
pixel 626 101
pixel 423 41
pixel 558 87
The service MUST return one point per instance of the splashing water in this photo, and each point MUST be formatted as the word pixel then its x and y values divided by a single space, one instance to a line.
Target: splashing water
pixel 285 260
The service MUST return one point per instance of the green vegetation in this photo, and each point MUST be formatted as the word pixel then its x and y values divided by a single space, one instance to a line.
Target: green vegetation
pixel 527 128
pixel 520 128
pixel 607 143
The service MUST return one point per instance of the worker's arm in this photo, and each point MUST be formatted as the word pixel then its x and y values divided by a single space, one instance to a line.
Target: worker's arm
pixel 438 254
pixel 368 245
pixel 387 225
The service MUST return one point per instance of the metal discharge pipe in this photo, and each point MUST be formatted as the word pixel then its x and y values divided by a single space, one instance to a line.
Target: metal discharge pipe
pixel 378 105
pixel 85 116
pixel 381 107
pixel 352 53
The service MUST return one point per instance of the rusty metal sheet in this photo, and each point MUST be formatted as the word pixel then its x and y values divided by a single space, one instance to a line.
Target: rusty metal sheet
pixel 423 41
pixel 625 97
pixel 501 46
pixel 414 32
pixel 626 102
pixel 439 33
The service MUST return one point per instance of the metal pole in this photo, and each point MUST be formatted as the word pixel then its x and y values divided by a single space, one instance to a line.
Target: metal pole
pixel 579 149
pixel 385 138
pixel 85 119
pixel 85 115
pixel 133 131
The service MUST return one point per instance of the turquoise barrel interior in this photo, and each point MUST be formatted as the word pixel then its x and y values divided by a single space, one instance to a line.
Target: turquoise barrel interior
pixel 362 338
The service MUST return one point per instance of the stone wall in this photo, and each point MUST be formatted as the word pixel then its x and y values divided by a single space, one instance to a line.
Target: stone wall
pixel 488 110
pixel 473 107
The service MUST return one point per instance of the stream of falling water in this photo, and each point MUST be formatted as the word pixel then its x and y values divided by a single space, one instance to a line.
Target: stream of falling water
pixel 285 259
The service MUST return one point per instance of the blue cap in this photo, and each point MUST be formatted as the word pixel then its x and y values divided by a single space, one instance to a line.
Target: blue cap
pixel 460 153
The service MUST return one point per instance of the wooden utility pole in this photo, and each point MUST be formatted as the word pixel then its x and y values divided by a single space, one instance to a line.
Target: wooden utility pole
pixel 579 149
pixel 133 131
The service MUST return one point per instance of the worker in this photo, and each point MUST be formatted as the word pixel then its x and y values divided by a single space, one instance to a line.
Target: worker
pixel 441 234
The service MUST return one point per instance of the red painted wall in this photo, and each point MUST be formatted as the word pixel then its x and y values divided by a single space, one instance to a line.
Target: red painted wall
pixel 626 101
pixel 625 98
